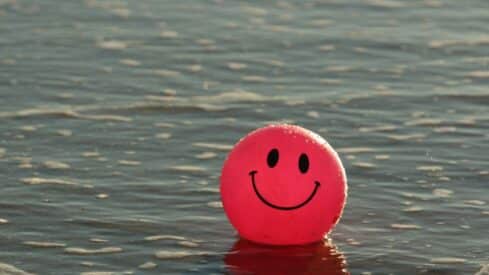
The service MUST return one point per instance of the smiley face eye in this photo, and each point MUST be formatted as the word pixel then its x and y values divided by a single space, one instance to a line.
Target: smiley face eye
pixel 303 163
pixel 272 158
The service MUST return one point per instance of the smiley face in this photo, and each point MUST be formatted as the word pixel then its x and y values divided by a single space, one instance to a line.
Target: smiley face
pixel 272 160
pixel 283 184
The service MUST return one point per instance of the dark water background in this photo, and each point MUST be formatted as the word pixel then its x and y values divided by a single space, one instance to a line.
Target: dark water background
pixel 115 118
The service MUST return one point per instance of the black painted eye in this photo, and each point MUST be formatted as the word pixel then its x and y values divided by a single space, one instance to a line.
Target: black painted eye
pixel 303 163
pixel 272 158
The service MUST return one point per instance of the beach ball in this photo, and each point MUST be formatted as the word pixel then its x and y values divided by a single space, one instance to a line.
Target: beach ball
pixel 283 185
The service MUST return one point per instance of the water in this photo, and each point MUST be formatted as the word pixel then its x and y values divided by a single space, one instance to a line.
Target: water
pixel 116 117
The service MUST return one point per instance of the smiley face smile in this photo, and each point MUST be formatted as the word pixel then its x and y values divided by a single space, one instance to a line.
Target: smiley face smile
pixel 278 207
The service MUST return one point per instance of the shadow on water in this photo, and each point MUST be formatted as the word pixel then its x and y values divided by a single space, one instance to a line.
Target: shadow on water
pixel 320 258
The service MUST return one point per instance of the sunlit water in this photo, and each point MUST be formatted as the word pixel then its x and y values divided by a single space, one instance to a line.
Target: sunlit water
pixel 116 116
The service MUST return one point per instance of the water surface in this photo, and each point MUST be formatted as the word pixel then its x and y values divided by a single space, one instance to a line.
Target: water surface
pixel 116 116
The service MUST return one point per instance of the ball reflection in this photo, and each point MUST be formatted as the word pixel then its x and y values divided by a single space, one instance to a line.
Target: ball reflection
pixel 319 258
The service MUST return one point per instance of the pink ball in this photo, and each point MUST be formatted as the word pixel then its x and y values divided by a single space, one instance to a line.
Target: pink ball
pixel 283 185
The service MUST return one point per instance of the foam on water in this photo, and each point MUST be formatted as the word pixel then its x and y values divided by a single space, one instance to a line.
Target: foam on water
pixel 430 168
pixel 195 68
pixel 479 74
pixel 413 209
pixel 424 122
pixel 129 162
pixel 327 48
pixel 484 270
pixel 166 255
pixel 215 204
pixel 148 265
pixel 163 135
pixel 44 244
pixel 53 164
pixel 329 81
pixel 382 157
pixel 206 155
pixel 91 154
pixel 85 251
pixel 98 240
pixel 164 125
pixel 112 45
pixel 231 96
pixel 447 129
pixel 62 112
pixel 6 269
pixel 313 114
pixel 205 42
pixel 166 73
pixel 187 168
pixel 355 150
pixel 168 34
pixel 29 128
pixel 254 78
pixel 236 66
pixel 386 3
pixel 164 237
pixel 188 244
pixel 468 41
pixel 37 181
pixel 65 132
pixel 475 202
pixel 442 193
pixel 379 128
pixel 365 165
pixel 180 254
pixel 130 62
pixel 115 118
pixel 215 146
pixel 405 137
pixel 447 260
pixel 404 226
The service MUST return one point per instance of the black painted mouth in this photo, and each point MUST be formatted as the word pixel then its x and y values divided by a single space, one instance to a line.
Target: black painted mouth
pixel 316 183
